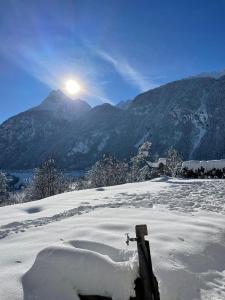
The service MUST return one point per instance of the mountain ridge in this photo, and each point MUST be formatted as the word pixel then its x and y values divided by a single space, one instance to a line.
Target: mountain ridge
pixel 187 114
pixel 213 74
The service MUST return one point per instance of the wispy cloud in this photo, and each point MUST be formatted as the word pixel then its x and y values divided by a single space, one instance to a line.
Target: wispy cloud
pixel 126 71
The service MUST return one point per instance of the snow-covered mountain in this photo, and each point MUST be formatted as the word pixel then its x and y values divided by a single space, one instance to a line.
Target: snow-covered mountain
pixel 62 107
pixel 187 114
pixel 27 138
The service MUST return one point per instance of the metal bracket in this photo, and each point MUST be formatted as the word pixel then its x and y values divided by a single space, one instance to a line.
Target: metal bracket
pixel 129 239
pixel 150 290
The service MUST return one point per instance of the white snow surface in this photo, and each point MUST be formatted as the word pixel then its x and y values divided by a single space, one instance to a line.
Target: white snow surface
pixel 74 243
pixel 65 271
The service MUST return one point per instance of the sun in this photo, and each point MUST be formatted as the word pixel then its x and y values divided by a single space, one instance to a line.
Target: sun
pixel 72 87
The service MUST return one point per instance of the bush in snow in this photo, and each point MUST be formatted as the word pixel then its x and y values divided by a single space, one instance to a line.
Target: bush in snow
pixel 173 163
pixel 48 181
pixel 140 165
pixel 16 197
pixel 107 171
pixel 81 183
pixel 204 169
pixel 3 188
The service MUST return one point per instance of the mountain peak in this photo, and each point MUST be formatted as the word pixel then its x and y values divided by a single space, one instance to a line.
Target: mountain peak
pixel 62 106
pixel 56 96
pixel 57 92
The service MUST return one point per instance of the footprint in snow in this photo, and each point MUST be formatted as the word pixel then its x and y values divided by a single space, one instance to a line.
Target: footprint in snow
pixel 18 261
pixel 33 209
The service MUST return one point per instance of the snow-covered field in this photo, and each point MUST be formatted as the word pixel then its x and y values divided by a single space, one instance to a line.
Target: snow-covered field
pixel 186 222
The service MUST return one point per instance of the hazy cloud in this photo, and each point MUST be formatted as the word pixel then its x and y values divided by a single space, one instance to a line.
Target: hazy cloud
pixel 53 68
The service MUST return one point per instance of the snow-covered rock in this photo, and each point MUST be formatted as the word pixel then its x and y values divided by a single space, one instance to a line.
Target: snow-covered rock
pixel 208 165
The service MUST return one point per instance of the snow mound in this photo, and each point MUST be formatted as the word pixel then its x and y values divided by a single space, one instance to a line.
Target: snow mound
pixel 81 267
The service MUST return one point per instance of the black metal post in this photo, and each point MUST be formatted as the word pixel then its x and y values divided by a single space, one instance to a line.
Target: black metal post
pixel 149 281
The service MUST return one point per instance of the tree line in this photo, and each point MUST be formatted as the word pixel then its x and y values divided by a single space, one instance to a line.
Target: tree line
pixel 111 171
pixel 48 179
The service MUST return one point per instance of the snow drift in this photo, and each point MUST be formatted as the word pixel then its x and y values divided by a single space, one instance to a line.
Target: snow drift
pixel 79 267
pixel 185 219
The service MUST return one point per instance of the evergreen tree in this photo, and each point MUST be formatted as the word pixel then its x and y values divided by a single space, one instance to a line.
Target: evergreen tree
pixel 107 171
pixel 141 168
pixel 48 181
pixel 3 187
pixel 173 163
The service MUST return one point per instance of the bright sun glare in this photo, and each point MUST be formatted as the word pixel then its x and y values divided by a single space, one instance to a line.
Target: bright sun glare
pixel 72 87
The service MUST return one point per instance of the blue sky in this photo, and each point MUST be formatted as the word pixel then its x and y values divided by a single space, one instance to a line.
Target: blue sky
pixel 114 48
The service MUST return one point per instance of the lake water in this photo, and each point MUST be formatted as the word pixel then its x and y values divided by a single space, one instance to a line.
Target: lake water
pixel 25 177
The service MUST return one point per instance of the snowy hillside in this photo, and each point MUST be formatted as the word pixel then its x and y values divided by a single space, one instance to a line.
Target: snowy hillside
pixel 39 241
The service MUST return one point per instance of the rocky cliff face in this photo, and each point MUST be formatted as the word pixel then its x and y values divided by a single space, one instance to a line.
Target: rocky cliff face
pixel 187 115
pixel 27 138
